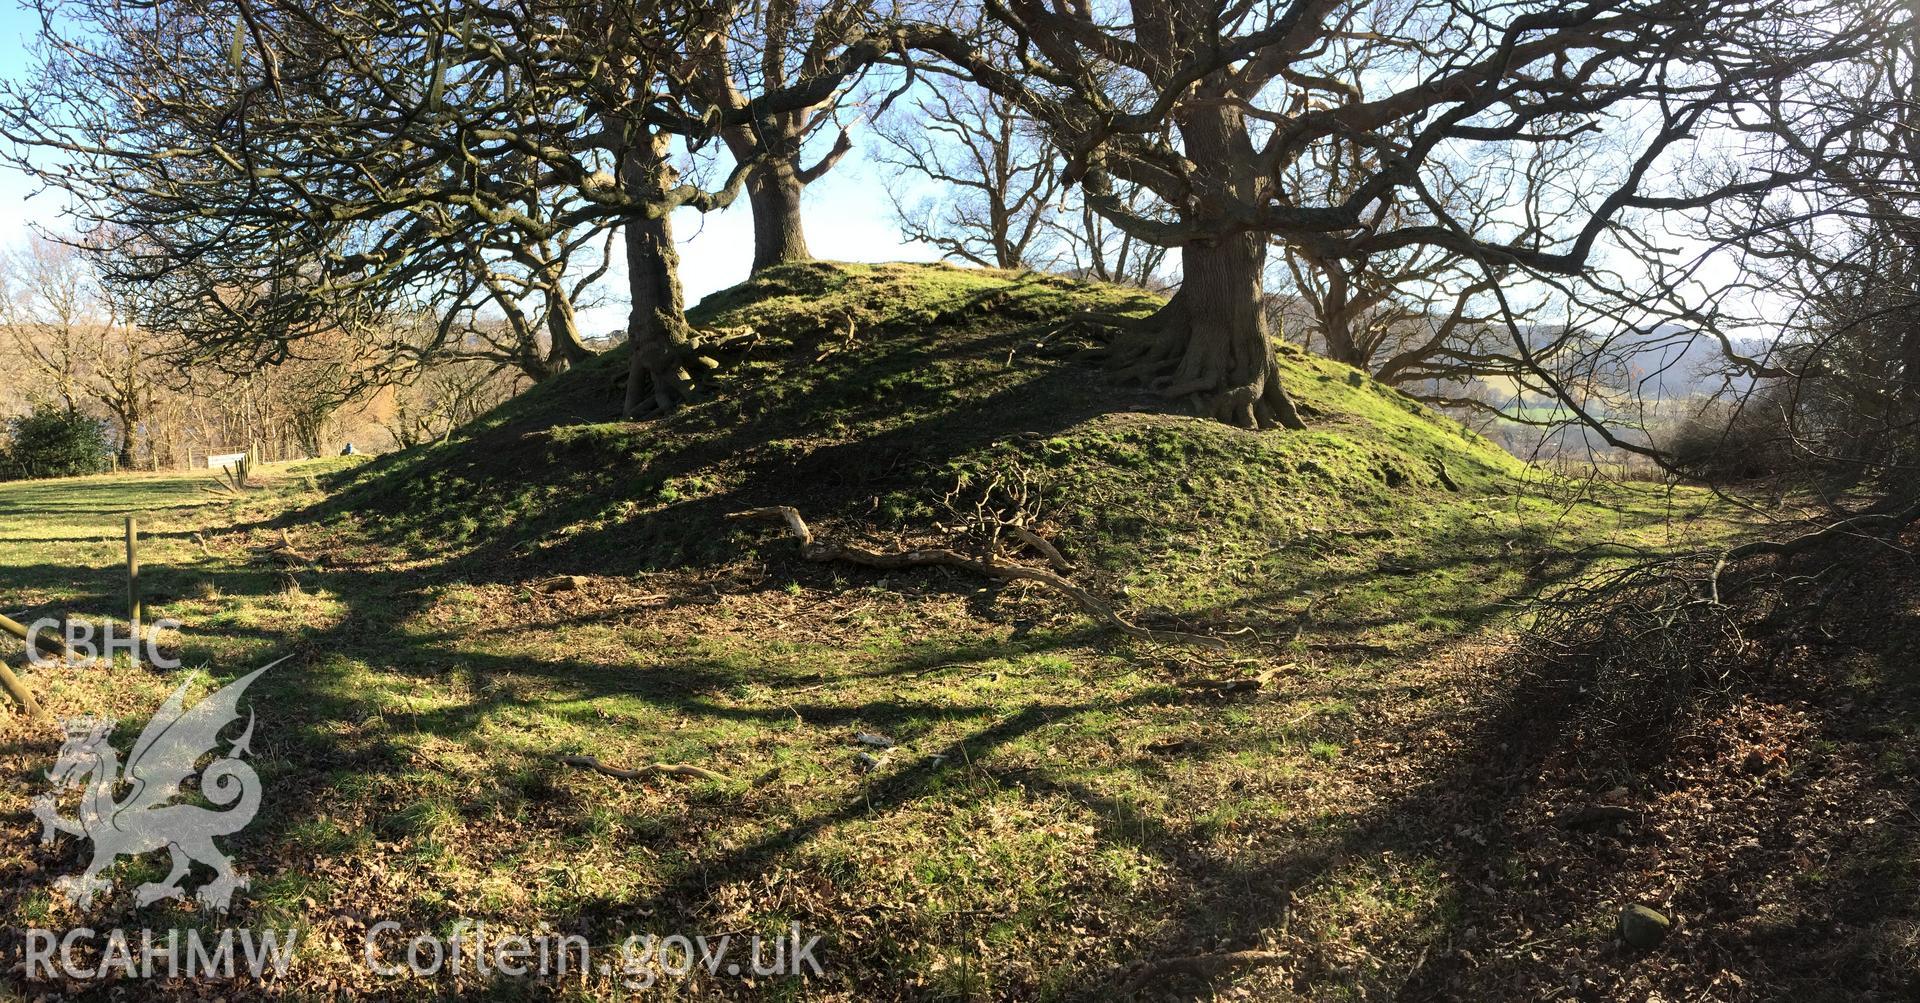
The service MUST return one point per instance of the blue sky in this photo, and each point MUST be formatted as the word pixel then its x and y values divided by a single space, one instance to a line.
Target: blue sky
pixel 848 217
pixel 15 24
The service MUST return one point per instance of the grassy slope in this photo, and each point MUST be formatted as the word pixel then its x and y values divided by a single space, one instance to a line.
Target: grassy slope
pixel 1061 803
pixel 956 376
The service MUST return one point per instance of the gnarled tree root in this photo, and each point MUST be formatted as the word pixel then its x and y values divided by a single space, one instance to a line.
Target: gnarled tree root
pixel 822 551
pixel 669 371
pixel 679 770
pixel 1205 966
pixel 1234 382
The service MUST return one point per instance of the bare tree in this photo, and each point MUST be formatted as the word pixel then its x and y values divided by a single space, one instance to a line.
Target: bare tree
pixel 997 176
pixel 1410 315
pixel 1206 104
pixel 80 340
pixel 276 159
pixel 537 287
pixel 760 48
pixel 51 306
pixel 1093 248
pixel 1831 260
pixel 444 398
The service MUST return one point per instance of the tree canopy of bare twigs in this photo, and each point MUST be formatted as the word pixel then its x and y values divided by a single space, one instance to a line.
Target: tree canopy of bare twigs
pixel 993 174
pixel 1209 104
pixel 285 170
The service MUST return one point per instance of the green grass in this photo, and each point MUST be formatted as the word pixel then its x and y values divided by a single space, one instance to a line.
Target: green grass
pixel 1060 802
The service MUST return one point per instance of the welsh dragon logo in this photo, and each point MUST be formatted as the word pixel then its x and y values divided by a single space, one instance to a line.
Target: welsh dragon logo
pixel 146 818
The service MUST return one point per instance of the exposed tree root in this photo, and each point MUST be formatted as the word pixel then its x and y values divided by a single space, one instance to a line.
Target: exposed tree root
pixel 1205 966
pixel 1230 377
pixel 668 375
pixel 671 371
pixel 822 551
pixel 679 770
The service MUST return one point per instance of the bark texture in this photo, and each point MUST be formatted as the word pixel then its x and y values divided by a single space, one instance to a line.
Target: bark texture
pixel 1210 345
pixel 773 191
pixel 661 372
pixel 564 347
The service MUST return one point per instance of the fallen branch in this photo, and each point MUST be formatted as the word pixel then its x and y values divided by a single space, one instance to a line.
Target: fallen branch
pixel 680 770
pixel 283 551
pixel 50 643
pixel 1204 966
pixel 1880 526
pixel 1039 543
pixel 823 551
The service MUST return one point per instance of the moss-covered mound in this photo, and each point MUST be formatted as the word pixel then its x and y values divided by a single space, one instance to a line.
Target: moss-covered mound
pixel 1059 804
pixel 888 400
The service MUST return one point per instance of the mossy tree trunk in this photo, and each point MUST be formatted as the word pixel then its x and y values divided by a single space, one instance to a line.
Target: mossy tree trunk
pixel 778 180
pixel 779 237
pixel 1210 345
pixel 129 427
pixel 1337 313
pixel 565 349
pixel 658 377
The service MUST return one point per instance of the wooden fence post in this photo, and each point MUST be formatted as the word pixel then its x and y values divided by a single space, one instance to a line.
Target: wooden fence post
pixel 11 683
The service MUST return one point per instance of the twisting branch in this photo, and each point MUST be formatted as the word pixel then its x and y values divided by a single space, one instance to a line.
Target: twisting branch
pixel 823 552
pixel 1881 526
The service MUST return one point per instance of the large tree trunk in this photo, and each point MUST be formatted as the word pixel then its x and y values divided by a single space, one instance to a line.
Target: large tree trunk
pixel 1210 346
pixel 1336 321
pixel 774 187
pixel 1218 353
pixel 778 237
pixel 564 347
pixel 128 425
pixel 658 378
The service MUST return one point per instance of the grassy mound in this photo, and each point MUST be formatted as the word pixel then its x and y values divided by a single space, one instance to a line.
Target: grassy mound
pixel 887 400
pixel 1059 804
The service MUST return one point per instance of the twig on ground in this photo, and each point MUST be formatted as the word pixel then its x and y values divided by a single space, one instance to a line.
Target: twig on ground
pixel 1240 684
